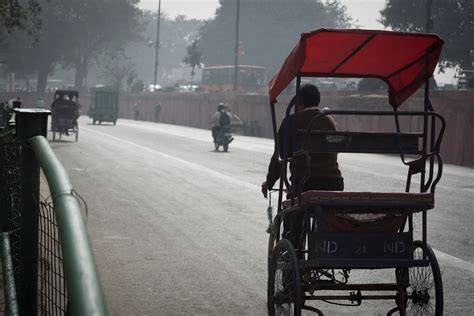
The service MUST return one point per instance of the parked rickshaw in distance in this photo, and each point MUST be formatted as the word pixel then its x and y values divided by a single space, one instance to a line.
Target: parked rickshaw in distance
pixel 104 105
pixel 343 231
pixel 65 110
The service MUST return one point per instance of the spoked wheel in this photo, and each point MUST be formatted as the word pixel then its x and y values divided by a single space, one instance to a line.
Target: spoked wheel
pixel 271 247
pixel 426 287
pixel 225 147
pixel 216 146
pixel 284 282
pixel 76 130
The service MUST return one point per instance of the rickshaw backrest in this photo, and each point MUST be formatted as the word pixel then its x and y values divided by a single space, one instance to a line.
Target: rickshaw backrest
pixel 361 142
pixel 420 146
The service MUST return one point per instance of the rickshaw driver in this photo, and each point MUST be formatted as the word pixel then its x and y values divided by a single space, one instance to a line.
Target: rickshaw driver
pixel 324 174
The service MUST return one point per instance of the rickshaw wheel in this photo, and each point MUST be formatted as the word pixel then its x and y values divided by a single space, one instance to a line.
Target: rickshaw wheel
pixel 225 147
pixel 216 146
pixel 272 240
pixel 284 296
pixel 76 130
pixel 54 136
pixel 425 291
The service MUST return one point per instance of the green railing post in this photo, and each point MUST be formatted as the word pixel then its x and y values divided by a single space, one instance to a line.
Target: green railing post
pixel 29 123
pixel 11 307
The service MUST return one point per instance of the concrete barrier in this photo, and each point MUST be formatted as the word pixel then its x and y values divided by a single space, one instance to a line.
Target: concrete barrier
pixel 195 110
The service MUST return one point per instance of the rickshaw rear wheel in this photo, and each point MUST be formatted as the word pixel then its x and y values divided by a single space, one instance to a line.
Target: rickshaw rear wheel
pixel 425 291
pixel 76 130
pixel 216 146
pixel 225 147
pixel 284 295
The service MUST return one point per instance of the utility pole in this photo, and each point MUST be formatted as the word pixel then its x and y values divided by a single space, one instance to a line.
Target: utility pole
pixel 157 44
pixel 428 16
pixel 236 50
pixel 428 26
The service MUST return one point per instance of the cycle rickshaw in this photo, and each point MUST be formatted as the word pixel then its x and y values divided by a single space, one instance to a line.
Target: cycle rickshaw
pixel 344 231
pixel 65 110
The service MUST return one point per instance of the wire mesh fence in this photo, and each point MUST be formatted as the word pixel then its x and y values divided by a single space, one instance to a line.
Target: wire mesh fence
pixel 10 156
pixel 52 296
pixel 11 204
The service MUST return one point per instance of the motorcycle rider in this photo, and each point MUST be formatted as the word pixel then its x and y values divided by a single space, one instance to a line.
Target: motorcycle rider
pixel 220 119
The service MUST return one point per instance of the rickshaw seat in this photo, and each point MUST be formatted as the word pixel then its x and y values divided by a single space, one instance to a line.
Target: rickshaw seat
pixel 364 212
pixel 341 199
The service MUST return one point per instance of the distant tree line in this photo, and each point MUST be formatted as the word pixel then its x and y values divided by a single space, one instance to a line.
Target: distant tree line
pixel 269 29
pixel 452 20
pixel 175 36
pixel 72 34
pixel 39 36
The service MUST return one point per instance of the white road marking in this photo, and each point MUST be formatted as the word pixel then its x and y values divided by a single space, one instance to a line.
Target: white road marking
pixel 454 261
pixel 263 145
pixel 192 165
pixel 446 258
pixel 205 136
pixel 116 237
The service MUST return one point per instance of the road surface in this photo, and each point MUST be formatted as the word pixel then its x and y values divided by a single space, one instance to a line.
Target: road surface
pixel 179 229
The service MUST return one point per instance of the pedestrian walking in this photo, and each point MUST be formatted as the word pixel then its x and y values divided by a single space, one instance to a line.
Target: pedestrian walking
pixel 136 108
pixel 157 112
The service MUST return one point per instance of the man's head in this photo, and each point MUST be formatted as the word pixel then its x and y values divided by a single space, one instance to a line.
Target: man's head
pixel 309 95
pixel 221 106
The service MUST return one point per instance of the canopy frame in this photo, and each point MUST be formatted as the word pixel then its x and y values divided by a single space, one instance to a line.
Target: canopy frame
pixel 424 183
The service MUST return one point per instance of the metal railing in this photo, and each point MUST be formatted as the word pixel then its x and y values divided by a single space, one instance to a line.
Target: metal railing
pixel 52 260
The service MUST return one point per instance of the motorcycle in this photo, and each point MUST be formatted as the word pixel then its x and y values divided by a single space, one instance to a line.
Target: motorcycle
pixel 223 138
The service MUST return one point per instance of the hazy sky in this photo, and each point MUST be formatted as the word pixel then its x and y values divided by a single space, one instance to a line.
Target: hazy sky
pixel 364 12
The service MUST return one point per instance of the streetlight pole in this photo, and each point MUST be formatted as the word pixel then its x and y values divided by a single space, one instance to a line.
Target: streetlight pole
pixel 428 16
pixel 236 50
pixel 157 44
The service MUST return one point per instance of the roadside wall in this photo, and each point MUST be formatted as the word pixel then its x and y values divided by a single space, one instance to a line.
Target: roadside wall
pixel 195 109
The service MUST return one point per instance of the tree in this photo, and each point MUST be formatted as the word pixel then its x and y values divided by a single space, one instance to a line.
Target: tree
pixel 269 29
pixel 451 19
pixel 193 58
pixel 95 27
pixel 138 86
pixel 73 33
pixel 20 15
pixel 175 36
pixel 118 69
pixel 25 57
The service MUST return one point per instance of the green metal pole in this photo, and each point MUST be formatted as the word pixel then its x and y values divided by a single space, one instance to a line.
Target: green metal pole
pixel 29 122
pixel 11 306
pixel 85 294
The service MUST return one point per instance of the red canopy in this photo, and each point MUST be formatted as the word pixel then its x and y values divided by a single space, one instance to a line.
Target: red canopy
pixel 403 60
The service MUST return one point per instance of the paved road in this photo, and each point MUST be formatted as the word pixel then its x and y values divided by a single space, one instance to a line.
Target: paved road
pixel 179 229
